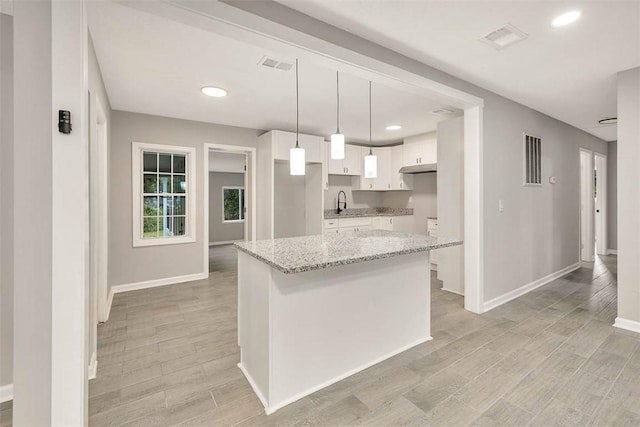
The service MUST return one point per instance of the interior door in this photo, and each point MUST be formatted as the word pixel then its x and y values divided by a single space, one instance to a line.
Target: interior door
pixel 600 186
pixel 587 250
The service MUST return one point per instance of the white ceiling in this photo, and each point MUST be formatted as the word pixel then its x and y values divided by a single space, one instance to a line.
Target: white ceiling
pixel 157 66
pixel 226 162
pixel 568 73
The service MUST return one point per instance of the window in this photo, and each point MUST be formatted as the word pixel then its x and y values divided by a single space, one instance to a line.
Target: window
pixel 532 160
pixel 163 194
pixel 232 204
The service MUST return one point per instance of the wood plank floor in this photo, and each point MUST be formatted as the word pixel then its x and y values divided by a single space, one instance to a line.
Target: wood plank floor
pixel 168 356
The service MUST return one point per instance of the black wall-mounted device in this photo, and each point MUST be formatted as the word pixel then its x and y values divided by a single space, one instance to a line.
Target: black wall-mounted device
pixel 64 121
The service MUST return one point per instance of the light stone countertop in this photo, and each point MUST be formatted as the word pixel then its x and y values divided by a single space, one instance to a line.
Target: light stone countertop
pixel 300 254
pixel 366 212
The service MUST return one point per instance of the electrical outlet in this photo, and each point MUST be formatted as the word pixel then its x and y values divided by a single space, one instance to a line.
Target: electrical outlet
pixel 500 205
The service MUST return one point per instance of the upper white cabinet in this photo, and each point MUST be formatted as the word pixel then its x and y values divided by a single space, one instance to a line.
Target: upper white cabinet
pixel 399 181
pixel 420 150
pixel 383 181
pixel 284 141
pixel 350 165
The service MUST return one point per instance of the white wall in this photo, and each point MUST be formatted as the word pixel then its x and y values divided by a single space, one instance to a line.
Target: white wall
pixel 612 195
pixel 629 199
pixel 131 265
pixel 6 195
pixel 220 231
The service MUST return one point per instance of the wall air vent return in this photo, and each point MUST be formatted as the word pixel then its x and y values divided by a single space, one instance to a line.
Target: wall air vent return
pixel 269 62
pixel 532 148
pixel 504 36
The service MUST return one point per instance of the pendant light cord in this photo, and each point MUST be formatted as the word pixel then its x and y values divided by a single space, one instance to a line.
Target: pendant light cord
pixel 338 102
pixel 370 140
pixel 297 107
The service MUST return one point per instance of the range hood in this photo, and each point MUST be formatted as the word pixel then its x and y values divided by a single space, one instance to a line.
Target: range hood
pixel 429 168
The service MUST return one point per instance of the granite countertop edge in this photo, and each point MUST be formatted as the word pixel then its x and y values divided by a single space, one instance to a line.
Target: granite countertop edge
pixel 363 215
pixel 346 261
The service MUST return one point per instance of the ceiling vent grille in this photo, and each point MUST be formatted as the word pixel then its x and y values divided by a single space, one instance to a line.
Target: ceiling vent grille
pixel 504 36
pixel 442 111
pixel 277 64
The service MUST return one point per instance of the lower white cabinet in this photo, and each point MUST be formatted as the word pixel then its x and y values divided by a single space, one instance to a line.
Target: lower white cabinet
pixel 432 230
pixel 403 224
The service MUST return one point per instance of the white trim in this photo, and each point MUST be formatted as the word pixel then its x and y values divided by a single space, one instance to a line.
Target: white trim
pixel 268 409
pixel 601 220
pixel 137 149
pixel 109 302
pixel 6 393
pixel 629 325
pixel 93 366
pixel 473 210
pixel 612 252
pixel 452 291
pixel 504 298
pixel 254 386
pixel 224 242
pixel 158 282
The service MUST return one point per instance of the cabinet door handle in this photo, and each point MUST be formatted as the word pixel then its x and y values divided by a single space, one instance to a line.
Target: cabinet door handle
pixel 400 184
pixel 347 170
pixel 389 185
pixel 390 220
pixel 370 185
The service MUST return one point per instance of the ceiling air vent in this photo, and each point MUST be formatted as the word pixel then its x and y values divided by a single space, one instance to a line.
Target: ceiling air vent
pixel 269 62
pixel 442 111
pixel 504 36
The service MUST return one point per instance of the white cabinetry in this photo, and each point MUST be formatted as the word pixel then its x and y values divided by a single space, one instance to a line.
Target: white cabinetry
pixel 403 224
pixel 432 230
pixel 288 206
pixel 399 181
pixel 420 150
pixel 284 141
pixel 350 165
pixel 383 181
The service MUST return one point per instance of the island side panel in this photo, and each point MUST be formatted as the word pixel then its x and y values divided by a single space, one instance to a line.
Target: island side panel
pixel 254 279
pixel 331 323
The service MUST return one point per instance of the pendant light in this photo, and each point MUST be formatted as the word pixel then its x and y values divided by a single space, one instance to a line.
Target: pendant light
pixel 337 139
pixel 296 154
pixel 370 160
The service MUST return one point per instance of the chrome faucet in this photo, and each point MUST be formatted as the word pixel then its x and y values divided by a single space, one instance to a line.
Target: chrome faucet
pixel 344 206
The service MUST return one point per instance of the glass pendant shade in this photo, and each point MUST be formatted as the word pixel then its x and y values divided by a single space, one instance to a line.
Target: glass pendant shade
pixel 296 161
pixel 337 146
pixel 370 165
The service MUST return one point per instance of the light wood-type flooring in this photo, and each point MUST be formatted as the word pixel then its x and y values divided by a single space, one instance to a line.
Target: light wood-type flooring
pixel 167 356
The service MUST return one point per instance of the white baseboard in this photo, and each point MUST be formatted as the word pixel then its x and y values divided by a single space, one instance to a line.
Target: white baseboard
pixel 226 242
pixel 158 282
pixel 498 301
pixel 254 386
pixel 109 303
pixel 629 325
pixel 612 252
pixel 6 393
pixel 452 291
pixel 273 408
pixel 93 366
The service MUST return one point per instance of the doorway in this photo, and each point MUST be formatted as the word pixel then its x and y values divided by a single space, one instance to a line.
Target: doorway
pixel 229 205
pixel 593 205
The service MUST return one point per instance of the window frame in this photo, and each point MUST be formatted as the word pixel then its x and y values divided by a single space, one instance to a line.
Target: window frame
pixel 242 205
pixel 137 175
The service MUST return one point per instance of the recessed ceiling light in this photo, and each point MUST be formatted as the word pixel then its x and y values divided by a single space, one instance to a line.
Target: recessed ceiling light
pixel 566 18
pixel 393 127
pixel 216 92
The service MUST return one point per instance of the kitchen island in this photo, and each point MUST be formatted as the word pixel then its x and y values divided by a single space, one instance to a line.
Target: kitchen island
pixel 314 310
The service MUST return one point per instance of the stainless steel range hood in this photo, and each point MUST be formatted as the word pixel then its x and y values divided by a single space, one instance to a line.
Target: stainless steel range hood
pixel 431 167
